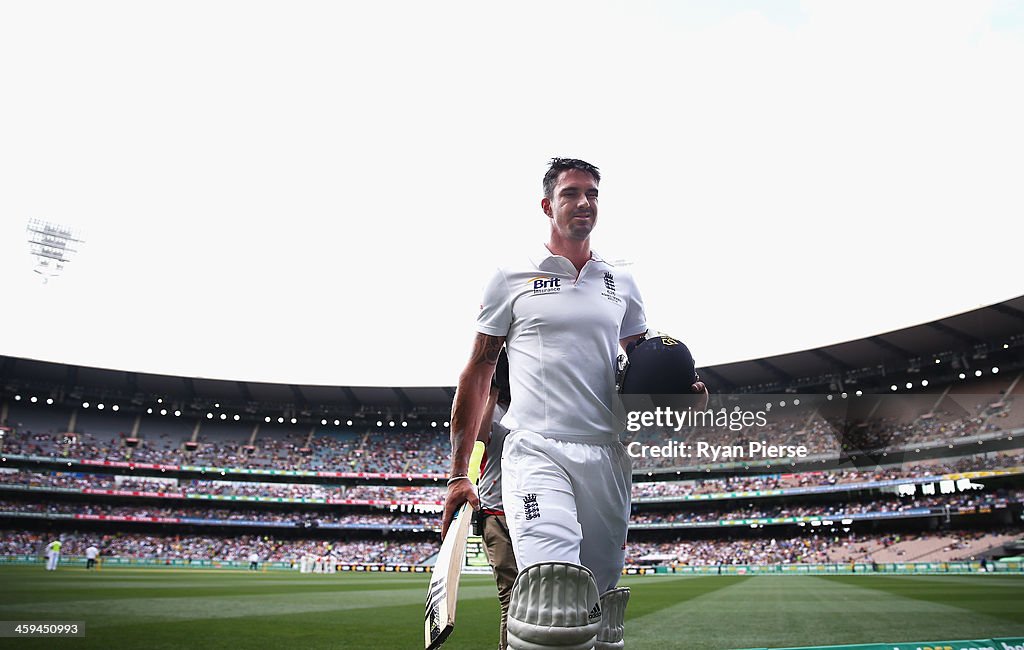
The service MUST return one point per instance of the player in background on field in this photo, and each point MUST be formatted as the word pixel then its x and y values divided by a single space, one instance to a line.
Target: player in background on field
pixel 254 561
pixel 491 516
pixel 563 313
pixel 53 554
pixel 91 554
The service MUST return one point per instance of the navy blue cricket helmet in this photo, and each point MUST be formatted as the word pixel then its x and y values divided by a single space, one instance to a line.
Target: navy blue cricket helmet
pixel 659 365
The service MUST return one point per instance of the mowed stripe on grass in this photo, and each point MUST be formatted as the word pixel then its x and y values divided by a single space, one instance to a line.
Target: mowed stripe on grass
pixel 130 583
pixel 987 595
pixel 236 610
pixel 799 611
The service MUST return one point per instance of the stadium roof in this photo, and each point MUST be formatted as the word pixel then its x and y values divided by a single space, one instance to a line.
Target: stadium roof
pixel 961 340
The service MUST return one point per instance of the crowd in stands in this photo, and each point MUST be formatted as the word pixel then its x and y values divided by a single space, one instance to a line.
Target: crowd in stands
pixel 425 450
pixel 419 452
pixel 825 548
pixel 725 510
pixel 741 483
pixel 841 548
pixel 797 550
pixel 222 514
pixel 435 495
pixel 184 487
pixel 770 509
pixel 419 494
pixel 198 547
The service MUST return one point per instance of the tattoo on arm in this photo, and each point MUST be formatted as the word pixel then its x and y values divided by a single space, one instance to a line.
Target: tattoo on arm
pixel 471 397
pixel 486 349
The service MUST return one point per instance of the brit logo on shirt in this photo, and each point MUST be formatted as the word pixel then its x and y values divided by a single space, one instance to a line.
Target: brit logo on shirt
pixel 544 285
pixel 609 288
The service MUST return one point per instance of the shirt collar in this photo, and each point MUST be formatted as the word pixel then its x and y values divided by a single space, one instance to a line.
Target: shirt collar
pixel 545 260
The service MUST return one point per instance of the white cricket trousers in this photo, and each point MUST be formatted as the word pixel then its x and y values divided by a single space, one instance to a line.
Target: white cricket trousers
pixel 567 502
pixel 52 557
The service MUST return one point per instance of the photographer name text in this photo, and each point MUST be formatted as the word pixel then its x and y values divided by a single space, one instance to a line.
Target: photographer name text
pixel 703 450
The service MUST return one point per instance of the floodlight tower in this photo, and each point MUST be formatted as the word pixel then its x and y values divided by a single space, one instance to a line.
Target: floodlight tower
pixel 52 246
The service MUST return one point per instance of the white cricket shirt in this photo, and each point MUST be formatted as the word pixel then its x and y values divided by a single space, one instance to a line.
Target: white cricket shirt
pixel 562 335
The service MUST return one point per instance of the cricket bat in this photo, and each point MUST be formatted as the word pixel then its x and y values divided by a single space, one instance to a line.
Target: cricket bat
pixel 444 581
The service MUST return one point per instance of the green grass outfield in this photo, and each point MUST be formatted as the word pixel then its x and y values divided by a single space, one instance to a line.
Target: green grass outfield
pixel 235 610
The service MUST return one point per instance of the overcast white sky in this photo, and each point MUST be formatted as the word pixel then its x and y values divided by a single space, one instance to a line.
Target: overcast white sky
pixel 316 192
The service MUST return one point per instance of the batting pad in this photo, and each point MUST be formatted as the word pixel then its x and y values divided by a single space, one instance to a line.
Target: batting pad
pixel 554 605
pixel 613 607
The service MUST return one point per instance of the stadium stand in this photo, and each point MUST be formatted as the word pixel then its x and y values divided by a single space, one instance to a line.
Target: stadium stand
pixel 930 473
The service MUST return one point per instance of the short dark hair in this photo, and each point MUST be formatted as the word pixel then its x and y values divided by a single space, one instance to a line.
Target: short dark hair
pixel 559 165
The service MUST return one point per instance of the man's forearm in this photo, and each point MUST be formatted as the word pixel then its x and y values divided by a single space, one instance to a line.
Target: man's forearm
pixel 466 416
pixel 470 400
